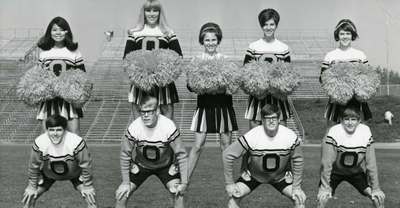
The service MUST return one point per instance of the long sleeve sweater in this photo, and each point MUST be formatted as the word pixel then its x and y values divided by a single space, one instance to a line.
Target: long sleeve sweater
pixel 68 160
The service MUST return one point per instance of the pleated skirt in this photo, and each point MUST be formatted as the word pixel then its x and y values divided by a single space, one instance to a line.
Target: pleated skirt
pixel 58 106
pixel 166 95
pixel 334 111
pixel 253 111
pixel 216 119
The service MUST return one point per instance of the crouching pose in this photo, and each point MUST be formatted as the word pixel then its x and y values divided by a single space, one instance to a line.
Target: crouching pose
pixel 152 146
pixel 272 150
pixel 59 155
pixel 348 155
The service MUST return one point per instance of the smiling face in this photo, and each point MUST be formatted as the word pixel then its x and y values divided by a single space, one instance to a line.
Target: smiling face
pixel 56 134
pixel 58 34
pixel 269 29
pixel 151 16
pixel 270 124
pixel 345 38
pixel 350 124
pixel 210 43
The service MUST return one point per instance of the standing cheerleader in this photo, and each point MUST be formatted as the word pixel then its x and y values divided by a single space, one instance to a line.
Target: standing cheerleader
pixel 60 53
pixel 214 112
pixel 153 32
pixel 271 50
pixel 345 32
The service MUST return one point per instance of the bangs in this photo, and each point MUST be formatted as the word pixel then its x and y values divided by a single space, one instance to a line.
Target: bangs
pixel 155 5
pixel 351 113
pixel 347 27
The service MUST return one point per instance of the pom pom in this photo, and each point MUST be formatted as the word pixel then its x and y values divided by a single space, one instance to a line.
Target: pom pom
pixel 212 76
pixel 36 86
pixel 283 79
pixel 147 69
pixel 255 78
pixel 368 81
pixel 74 87
pixel 341 81
pixel 261 78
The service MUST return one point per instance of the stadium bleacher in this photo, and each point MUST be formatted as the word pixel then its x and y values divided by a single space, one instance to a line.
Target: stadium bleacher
pixel 108 113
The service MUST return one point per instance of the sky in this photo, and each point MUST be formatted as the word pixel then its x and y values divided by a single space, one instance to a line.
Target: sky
pixel 377 21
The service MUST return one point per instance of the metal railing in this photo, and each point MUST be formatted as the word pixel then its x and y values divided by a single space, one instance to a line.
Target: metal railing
pixel 296 118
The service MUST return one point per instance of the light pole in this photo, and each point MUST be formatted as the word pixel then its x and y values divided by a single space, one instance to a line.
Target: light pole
pixel 387 24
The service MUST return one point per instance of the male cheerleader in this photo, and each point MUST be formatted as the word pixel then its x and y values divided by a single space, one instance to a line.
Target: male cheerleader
pixel 152 146
pixel 348 155
pixel 272 150
pixel 59 155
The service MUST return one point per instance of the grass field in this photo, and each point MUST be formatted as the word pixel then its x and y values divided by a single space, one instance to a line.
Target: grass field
pixel 206 189
pixel 311 112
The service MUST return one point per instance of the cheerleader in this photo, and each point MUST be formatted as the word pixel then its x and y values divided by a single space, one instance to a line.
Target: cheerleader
pixel 345 32
pixel 214 112
pixel 153 32
pixel 59 53
pixel 268 49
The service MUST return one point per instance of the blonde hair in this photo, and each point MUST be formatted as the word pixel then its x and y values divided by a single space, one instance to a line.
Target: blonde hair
pixel 162 21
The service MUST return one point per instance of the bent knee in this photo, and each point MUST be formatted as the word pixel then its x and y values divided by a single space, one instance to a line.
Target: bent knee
pixel 241 190
pixel 172 186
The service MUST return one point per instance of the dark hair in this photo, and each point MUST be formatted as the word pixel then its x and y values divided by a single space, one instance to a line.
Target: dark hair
pixel 148 96
pixel 210 27
pixel 270 109
pixel 351 112
pixel 56 120
pixel 268 14
pixel 46 42
pixel 346 25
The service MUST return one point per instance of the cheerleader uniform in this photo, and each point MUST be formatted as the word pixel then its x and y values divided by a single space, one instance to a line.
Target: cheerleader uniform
pixel 59 60
pixel 214 112
pixel 349 158
pixel 69 160
pixel 149 39
pixel 333 111
pixel 275 51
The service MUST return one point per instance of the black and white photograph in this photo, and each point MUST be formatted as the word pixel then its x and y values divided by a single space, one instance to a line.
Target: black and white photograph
pixel 199 103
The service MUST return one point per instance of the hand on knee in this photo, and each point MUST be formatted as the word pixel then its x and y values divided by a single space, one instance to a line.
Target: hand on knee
pixel 236 190
pixel 378 198
pixel 89 194
pixel 176 188
pixel 323 197
pixel 123 191
pixel 30 196
pixel 299 197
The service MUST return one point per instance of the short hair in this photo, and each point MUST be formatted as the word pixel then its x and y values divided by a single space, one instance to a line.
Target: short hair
pixel 146 97
pixel 346 25
pixel 46 42
pixel 56 120
pixel 350 112
pixel 268 14
pixel 270 109
pixel 210 27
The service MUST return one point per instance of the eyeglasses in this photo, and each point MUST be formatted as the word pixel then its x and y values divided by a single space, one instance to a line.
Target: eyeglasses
pixel 273 118
pixel 147 112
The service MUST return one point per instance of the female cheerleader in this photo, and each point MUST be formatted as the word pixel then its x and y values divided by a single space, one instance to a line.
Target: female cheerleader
pixel 214 113
pixel 345 32
pixel 60 53
pixel 153 32
pixel 268 49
